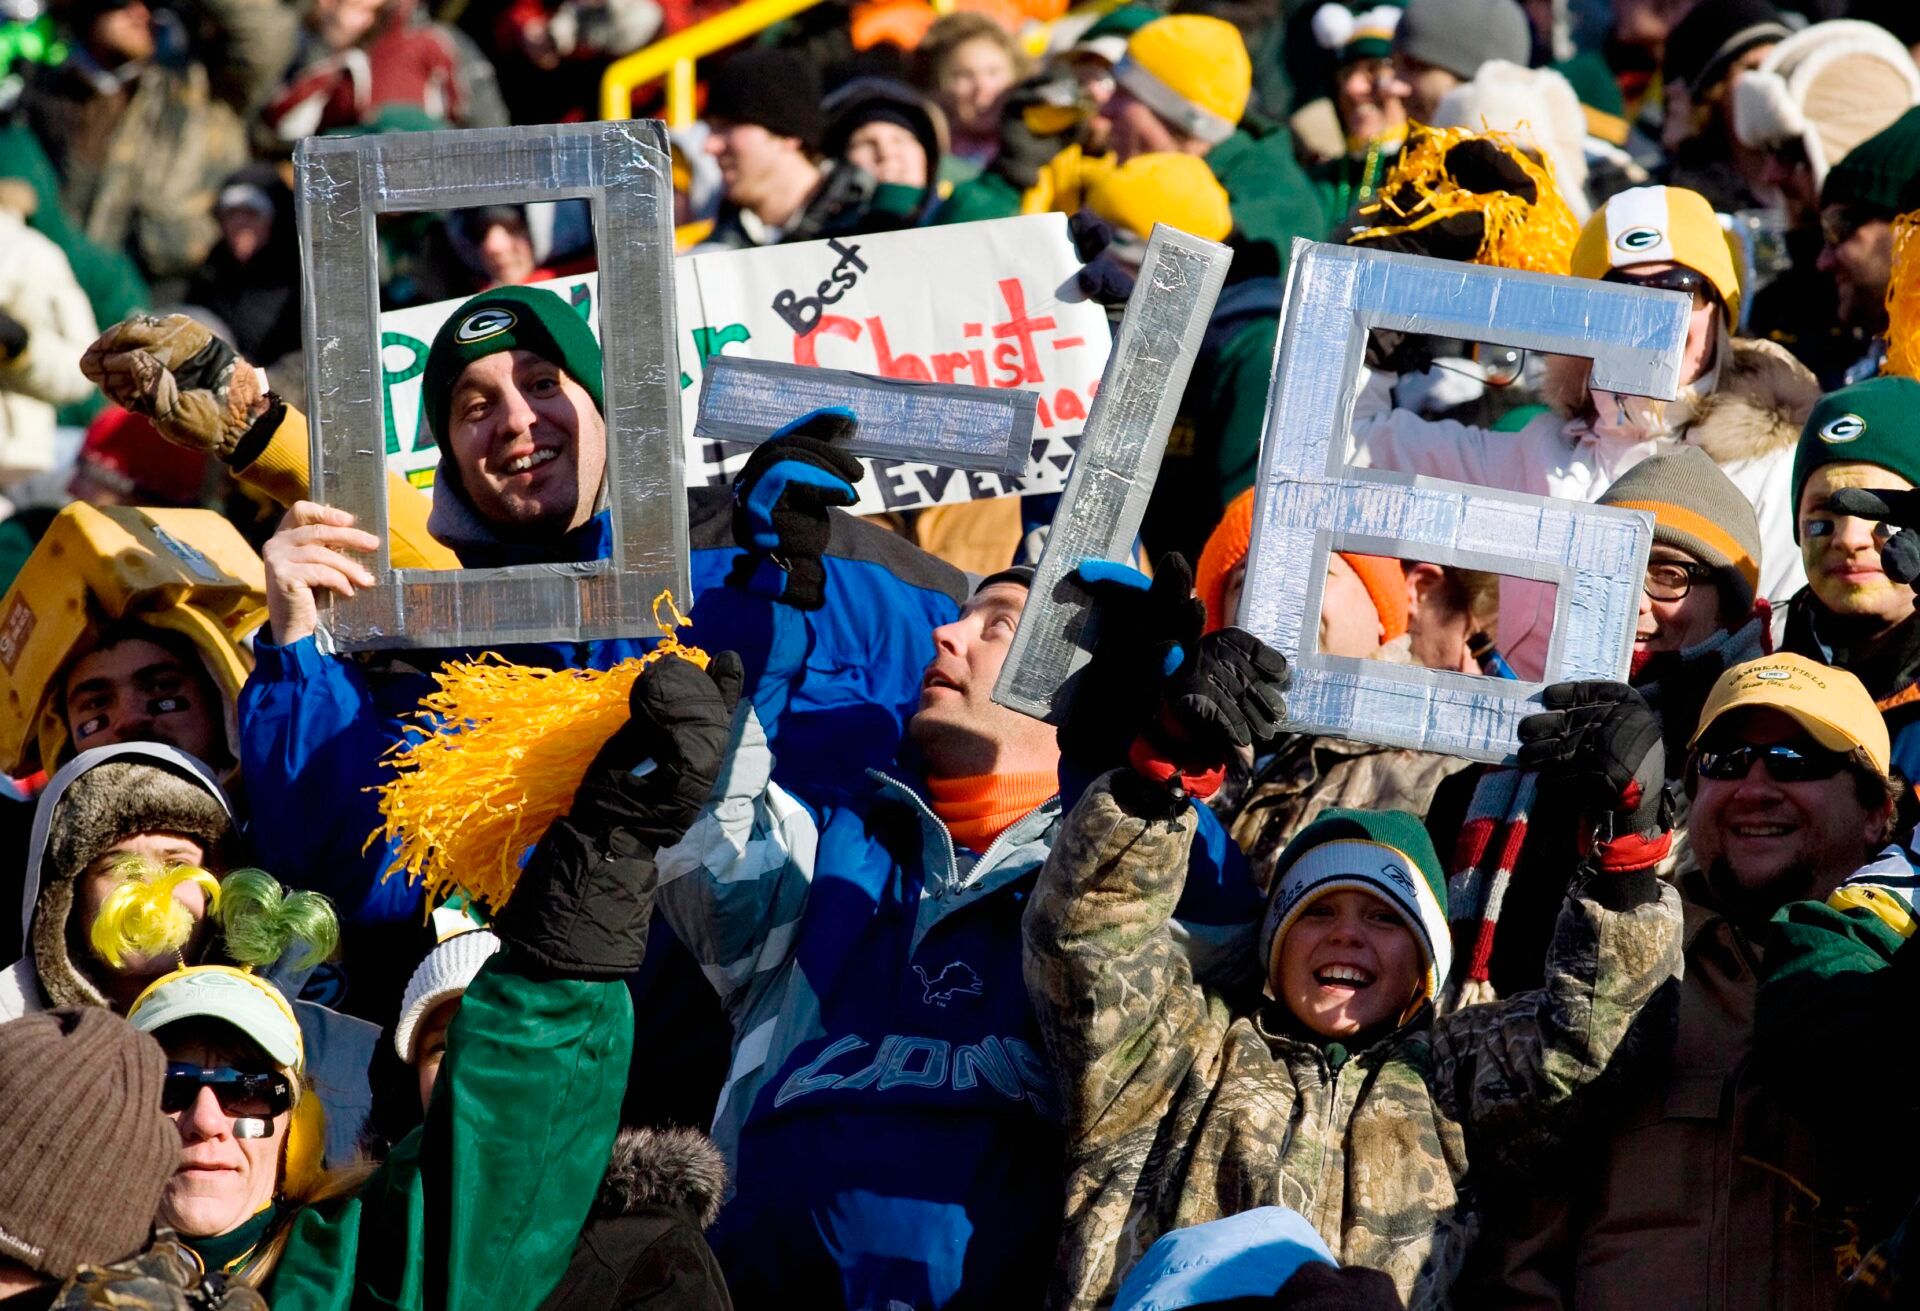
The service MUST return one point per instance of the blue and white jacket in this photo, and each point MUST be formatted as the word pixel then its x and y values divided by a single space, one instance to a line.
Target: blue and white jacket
pixel 892 1128
pixel 314 726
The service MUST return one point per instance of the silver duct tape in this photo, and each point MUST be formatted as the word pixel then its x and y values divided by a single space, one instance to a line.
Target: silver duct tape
pixel 1114 471
pixel 989 429
pixel 1310 503
pixel 623 170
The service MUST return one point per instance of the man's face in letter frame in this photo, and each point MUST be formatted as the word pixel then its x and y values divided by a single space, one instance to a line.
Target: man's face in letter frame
pixel 513 381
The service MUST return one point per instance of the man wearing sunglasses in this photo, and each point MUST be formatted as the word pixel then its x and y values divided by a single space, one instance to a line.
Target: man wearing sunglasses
pixel 1694 1192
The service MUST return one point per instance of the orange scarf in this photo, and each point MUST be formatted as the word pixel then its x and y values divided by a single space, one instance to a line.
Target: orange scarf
pixel 978 809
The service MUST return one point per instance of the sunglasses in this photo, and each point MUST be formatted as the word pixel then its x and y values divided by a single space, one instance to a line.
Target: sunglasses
pixel 1784 764
pixel 241 1093
pixel 1678 278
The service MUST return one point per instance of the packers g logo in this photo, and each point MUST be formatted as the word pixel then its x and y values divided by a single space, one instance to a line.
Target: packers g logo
pixel 1634 240
pixel 482 324
pixel 1844 429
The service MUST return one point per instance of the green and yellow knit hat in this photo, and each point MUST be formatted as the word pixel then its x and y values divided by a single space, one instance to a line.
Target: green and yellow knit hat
pixel 1872 422
pixel 1353 36
pixel 505 319
pixel 1384 852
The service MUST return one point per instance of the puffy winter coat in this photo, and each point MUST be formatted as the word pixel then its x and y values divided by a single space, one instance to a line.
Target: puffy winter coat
pixel 1180 1110
pixel 893 1129
pixel 1749 423
pixel 38 289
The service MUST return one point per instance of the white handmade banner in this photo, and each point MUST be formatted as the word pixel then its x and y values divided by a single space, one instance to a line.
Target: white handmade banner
pixel 985 304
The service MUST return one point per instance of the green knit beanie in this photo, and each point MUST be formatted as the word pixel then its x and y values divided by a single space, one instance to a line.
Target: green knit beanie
pixel 1872 422
pixel 505 319
pixel 1872 174
pixel 1371 851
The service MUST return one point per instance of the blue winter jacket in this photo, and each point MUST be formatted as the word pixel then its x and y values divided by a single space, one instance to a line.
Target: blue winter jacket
pixel 891 1123
pixel 313 726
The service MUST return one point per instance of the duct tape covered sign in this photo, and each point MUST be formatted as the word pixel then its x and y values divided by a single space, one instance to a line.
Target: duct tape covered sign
pixel 982 304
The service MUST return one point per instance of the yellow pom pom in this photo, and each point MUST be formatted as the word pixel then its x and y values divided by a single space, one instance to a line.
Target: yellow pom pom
pixel 1537 235
pixel 1903 299
pixel 505 749
pixel 141 917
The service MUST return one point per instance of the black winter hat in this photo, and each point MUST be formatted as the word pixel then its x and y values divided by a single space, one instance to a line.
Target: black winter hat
pixel 1704 44
pixel 877 99
pixel 777 89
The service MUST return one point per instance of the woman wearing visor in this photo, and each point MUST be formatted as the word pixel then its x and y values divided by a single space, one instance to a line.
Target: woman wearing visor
pixel 1741 401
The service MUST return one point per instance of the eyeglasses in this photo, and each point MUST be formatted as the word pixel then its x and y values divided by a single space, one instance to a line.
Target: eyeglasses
pixel 1671 580
pixel 240 1092
pixel 1785 764
pixel 1679 278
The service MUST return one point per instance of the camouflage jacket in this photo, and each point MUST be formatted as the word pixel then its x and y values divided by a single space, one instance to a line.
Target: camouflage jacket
pixel 165 1277
pixel 1180 1110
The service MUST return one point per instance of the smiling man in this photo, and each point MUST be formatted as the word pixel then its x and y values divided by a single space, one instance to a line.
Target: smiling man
pixel 1690 1194
pixel 1851 614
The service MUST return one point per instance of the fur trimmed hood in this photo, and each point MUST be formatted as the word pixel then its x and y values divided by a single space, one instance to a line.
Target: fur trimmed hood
pixel 1757 407
pixel 663 1167
pixel 1760 406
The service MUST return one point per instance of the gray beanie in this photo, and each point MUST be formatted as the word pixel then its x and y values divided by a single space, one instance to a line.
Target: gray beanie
pixel 1696 508
pixel 1461 35
pixel 85 1150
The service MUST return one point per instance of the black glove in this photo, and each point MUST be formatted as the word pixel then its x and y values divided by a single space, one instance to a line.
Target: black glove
pixel 1601 740
pixel 1042 117
pixel 1146 629
pixel 13 336
pixel 1224 697
pixel 1317 1286
pixel 1900 557
pixel 1481 166
pixel 581 907
pixel 1103 279
pixel 780 504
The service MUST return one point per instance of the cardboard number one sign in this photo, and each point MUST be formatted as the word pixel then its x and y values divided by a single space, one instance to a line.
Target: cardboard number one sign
pixel 1113 475
pixel 1310 503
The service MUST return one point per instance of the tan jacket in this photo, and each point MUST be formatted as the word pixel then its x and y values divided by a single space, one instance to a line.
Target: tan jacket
pixel 1703 1196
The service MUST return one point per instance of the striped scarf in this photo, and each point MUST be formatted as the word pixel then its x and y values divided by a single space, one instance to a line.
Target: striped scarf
pixel 1484 857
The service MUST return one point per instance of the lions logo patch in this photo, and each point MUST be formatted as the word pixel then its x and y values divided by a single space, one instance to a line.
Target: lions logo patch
pixel 1634 240
pixel 1837 432
pixel 482 324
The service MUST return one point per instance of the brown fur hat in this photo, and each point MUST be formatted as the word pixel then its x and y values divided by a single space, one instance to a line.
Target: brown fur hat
pixel 113 800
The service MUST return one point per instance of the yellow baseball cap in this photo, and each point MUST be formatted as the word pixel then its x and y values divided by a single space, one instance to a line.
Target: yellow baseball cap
pixel 1830 704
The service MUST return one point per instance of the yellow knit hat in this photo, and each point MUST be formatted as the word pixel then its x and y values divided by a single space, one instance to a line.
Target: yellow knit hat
pixel 1178 190
pixel 1191 70
pixel 1650 225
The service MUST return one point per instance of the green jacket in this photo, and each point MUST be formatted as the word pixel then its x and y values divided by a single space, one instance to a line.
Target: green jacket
pixel 1180 1110
pixel 479 1208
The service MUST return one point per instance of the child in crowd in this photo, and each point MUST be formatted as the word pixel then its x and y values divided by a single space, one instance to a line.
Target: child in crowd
pixel 1338 1093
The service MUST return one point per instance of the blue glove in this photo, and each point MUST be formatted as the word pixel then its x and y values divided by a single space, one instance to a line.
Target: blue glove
pixel 780 504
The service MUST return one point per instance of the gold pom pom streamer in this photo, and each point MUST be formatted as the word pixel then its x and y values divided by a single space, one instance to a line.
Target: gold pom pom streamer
pixel 142 917
pixel 1537 235
pixel 1903 300
pixel 505 749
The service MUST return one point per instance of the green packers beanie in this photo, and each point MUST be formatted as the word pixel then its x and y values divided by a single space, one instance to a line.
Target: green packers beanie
pixel 1697 509
pixel 1870 178
pixel 1385 852
pixel 505 319
pixel 1872 422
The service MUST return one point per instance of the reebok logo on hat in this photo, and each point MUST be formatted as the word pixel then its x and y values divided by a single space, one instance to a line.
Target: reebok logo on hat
pixel 1843 429
pixel 1638 239
pixel 482 324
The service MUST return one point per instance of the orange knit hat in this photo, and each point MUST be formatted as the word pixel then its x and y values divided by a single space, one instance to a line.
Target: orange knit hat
pixel 1382 576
